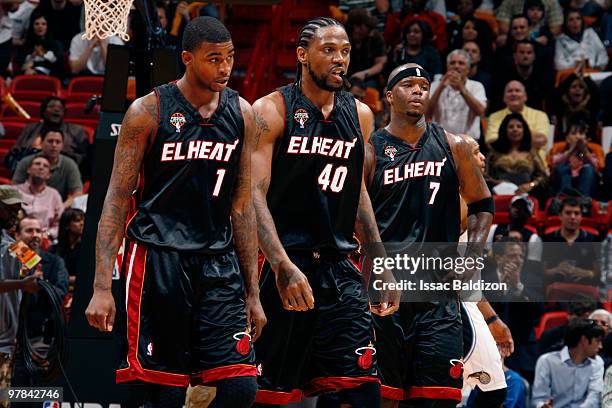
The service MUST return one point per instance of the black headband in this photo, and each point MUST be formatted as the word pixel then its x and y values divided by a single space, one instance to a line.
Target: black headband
pixel 408 72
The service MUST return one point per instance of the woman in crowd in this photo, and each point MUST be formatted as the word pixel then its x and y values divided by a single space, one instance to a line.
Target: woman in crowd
pixel 579 45
pixel 415 47
pixel 368 56
pixel 512 160
pixel 576 162
pixel 38 32
pixel 472 29
pixel 577 96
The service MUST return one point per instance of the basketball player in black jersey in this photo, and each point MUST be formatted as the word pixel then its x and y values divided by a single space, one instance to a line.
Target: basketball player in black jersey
pixel 414 172
pixel 308 194
pixel 191 306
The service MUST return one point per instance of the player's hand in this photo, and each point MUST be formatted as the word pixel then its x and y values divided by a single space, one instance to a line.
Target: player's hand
pixel 389 299
pixel 101 310
pixel 293 287
pixel 503 337
pixel 256 318
pixel 547 404
pixel 30 284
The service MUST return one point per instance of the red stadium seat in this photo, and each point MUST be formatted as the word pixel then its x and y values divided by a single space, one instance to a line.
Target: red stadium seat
pixel 13 129
pixel 80 89
pixel 91 132
pixel 4 180
pixel 550 320
pixel 35 87
pixel 33 109
pixel 562 291
pixel 7 143
pixel 76 110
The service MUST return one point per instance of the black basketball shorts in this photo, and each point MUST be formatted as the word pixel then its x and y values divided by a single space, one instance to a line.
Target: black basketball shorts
pixel 181 318
pixel 328 348
pixel 418 349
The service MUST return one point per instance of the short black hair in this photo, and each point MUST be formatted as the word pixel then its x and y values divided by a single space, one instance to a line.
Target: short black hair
pixel 569 202
pixel 204 29
pixel 45 103
pixel 46 130
pixel 578 327
pixel 39 155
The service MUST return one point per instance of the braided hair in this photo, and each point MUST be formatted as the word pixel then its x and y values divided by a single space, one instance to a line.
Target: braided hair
pixel 308 32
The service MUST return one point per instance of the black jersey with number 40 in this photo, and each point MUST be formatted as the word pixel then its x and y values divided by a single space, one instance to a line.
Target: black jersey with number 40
pixel 316 174
pixel 415 189
pixel 187 177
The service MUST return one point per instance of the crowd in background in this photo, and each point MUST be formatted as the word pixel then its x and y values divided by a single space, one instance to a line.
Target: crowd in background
pixel 529 80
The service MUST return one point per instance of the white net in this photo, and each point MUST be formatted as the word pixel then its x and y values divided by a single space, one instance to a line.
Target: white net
pixel 105 18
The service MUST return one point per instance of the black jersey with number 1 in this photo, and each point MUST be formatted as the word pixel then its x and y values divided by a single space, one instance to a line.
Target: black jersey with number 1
pixel 415 189
pixel 316 174
pixel 185 190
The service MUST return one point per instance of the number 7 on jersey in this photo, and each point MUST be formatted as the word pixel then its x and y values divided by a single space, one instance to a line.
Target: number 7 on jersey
pixel 434 186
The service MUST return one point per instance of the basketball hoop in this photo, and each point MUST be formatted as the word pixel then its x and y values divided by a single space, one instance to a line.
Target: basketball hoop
pixel 105 18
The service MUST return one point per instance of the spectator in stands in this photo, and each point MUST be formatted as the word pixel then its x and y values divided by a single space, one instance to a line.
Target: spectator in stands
pixel 513 160
pixel 473 29
pixel 52 111
pixel 477 73
pixel 573 376
pixel 576 162
pixel 576 96
pixel 41 60
pixel 51 268
pixel 416 10
pixel 604 319
pixel 40 200
pixel 458 103
pixel 538 82
pixel 564 261
pixel 521 209
pixel 368 56
pixel 415 48
pixel 579 45
pixel 553 339
pixel 607 177
pixel 88 57
pixel 65 175
pixel 553 16
pixel 20 18
pixel 6 38
pixel 64 18
pixel 538 31
pixel 607 391
pixel 11 285
pixel 38 30
pixel 515 98
pixel 68 245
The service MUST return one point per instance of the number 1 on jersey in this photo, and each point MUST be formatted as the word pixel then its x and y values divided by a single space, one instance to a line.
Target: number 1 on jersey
pixel 434 186
pixel 220 175
pixel 337 180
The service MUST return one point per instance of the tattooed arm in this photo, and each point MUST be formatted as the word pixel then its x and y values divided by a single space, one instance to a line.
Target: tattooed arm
pixel 245 226
pixel 473 188
pixel 293 287
pixel 139 123
pixel 365 223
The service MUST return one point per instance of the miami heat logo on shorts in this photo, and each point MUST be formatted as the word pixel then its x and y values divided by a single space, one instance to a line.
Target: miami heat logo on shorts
pixel 301 117
pixel 243 343
pixel 456 368
pixel 177 120
pixel 391 151
pixel 366 354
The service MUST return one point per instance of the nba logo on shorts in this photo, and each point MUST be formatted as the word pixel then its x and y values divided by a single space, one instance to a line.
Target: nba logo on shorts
pixel 51 404
pixel 177 120
pixel 150 349
pixel 301 117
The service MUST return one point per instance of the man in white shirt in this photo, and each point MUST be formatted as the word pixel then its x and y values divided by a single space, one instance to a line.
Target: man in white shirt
pixel 88 57
pixel 457 103
pixel 572 377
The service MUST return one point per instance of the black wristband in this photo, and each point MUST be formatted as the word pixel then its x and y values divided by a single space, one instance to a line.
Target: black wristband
pixel 492 319
pixel 484 205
